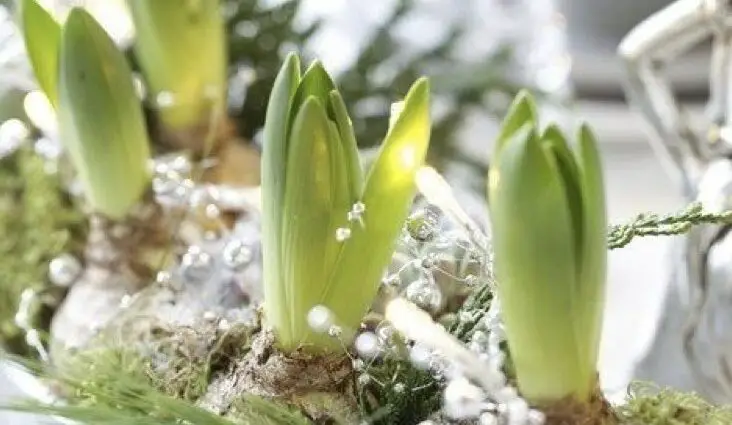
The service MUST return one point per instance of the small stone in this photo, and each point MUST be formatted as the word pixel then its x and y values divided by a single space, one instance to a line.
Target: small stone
pixel 64 270
pixel 209 316
pixel 237 255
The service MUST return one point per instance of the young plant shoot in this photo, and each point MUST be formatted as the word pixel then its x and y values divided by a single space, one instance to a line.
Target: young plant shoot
pixel 100 117
pixel 328 233
pixel 180 46
pixel 42 36
pixel 547 207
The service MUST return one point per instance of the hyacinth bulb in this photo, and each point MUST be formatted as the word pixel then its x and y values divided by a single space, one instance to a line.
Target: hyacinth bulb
pixel 329 232
pixel 547 207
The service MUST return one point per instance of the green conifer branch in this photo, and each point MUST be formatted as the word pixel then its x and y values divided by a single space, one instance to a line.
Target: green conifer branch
pixel 679 223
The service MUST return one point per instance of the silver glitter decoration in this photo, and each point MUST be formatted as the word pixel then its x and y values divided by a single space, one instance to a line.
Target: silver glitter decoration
pixel 237 254
pixel 423 224
pixel 335 331
pixel 367 345
pixel 13 133
pixel 196 265
pixel 342 234
pixel 425 294
pixel 364 379
pixel 320 319
pixel 64 270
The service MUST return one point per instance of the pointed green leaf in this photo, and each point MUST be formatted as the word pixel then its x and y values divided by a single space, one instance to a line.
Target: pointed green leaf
pixel 554 140
pixel 388 195
pixel 339 114
pixel 274 164
pixel 521 112
pixel 311 202
pixel 315 82
pixel 100 117
pixel 42 35
pixel 535 267
pixel 594 253
pixel 181 48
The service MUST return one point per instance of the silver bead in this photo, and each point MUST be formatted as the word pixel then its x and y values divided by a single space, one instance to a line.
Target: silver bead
pixel 463 399
pixel 425 294
pixel 196 265
pixel 342 234
pixel 64 270
pixel 422 225
pixel 364 379
pixel 487 418
pixel 335 331
pixel 320 318
pixel 237 255
pixel 367 345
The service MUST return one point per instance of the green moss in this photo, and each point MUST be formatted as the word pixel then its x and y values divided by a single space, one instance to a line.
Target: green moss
pixel 37 222
pixel 181 361
pixel 650 405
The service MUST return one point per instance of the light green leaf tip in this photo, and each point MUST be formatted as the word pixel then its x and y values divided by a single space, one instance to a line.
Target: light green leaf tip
pixel 312 178
pixel 274 163
pixel 100 117
pixel 521 111
pixel 181 48
pixel 42 36
pixel 388 194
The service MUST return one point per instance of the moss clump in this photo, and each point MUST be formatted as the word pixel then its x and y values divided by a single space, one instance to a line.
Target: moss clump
pixel 648 404
pixel 180 361
pixel 38 222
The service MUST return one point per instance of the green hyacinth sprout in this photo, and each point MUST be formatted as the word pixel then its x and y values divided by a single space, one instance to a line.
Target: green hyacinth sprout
pixel 42 36
pixel 547 207
pixel 181 49
pixel 328 232
pixel 99 115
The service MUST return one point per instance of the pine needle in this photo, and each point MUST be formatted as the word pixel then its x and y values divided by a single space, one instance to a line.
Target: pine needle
pixel 620 236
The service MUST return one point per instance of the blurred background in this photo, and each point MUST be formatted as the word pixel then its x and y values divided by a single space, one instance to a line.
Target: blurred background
pixel 478 53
